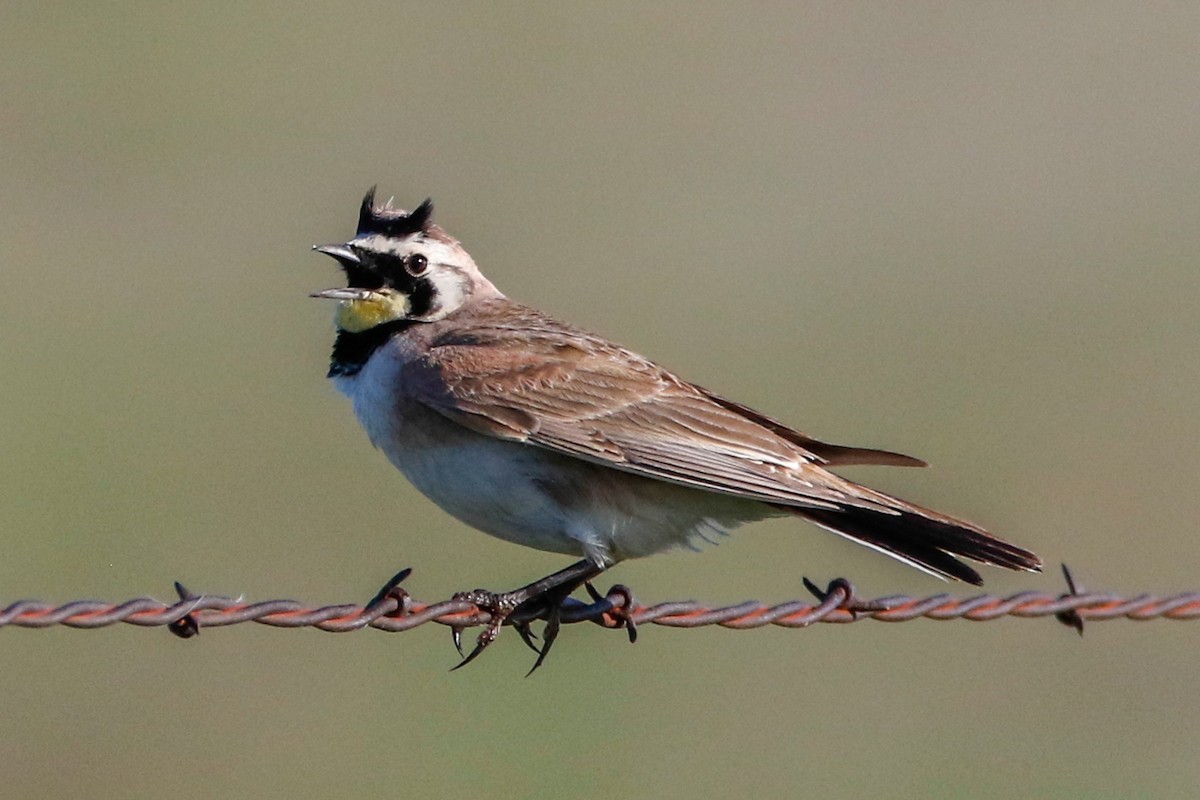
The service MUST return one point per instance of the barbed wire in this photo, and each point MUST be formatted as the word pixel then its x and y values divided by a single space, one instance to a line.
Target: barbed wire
pixel 393 610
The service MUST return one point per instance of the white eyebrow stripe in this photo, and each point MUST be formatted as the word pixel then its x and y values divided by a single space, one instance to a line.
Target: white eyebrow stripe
pixel 437 252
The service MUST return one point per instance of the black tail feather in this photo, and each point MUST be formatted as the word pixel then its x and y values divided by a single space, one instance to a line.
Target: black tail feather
pixel 924 541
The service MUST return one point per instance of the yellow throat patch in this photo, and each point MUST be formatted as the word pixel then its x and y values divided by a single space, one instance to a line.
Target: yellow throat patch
pixel 355 316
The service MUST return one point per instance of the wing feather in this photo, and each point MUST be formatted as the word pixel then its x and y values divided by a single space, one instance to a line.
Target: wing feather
pixel 585 397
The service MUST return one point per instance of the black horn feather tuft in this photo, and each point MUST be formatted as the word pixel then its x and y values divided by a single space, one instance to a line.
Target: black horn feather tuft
pixel 423 214
pixel 366 213
pixel 389 222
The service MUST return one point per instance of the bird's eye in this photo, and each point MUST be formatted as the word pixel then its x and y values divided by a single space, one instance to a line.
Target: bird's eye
pixel 416 264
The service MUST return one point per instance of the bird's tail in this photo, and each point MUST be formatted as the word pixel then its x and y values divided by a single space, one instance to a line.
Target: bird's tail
pixel 922 538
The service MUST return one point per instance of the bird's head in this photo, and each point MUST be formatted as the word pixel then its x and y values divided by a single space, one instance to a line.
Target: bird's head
pixel 400 267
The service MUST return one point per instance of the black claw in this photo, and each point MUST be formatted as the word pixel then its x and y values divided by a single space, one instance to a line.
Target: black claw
pixel 487 637
pixel 553 624
pixel 478 649
pixel 527 636
pixel 456 635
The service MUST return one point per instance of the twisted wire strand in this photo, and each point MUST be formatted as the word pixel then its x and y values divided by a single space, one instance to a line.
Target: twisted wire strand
pixel 393 610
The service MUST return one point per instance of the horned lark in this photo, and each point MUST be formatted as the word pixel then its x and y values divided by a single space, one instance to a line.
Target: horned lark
pixel 545 435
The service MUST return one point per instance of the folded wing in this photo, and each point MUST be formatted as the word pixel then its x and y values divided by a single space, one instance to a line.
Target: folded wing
pixel 579 395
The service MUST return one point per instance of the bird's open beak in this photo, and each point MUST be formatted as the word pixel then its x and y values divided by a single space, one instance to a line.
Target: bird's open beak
pixel 348 293
pixel 341 252
pixel 347 258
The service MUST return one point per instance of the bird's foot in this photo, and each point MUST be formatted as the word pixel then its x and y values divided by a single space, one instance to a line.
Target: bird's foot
pixel 499 607
pixel 517 609
pixel 541 599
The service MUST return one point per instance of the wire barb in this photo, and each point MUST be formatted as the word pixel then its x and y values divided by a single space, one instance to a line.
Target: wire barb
pixel 1071 617
pixel 186 626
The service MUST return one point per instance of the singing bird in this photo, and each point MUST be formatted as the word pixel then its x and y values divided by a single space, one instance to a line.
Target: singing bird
pixel 546 435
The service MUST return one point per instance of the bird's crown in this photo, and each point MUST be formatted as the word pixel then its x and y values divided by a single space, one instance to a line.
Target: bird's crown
pixel 393 222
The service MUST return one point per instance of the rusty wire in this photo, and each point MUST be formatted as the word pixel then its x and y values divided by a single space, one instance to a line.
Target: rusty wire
pixel 393 610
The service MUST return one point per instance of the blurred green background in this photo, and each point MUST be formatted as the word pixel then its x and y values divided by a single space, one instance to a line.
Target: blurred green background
pixel 964 231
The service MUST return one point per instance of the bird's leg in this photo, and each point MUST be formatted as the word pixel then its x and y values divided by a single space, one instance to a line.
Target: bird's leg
pixel 542 595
